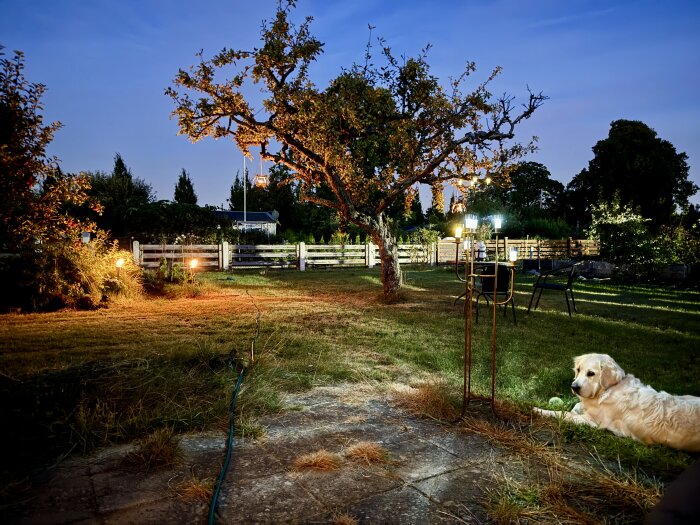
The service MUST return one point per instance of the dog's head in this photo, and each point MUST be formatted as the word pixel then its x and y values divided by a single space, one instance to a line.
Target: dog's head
pixel 594 373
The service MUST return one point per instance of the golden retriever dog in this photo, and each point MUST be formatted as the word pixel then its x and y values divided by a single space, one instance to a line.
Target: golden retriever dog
pixel 611 399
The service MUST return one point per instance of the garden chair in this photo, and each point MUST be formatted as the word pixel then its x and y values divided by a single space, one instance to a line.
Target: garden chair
pixel 560 279
pixel 504 288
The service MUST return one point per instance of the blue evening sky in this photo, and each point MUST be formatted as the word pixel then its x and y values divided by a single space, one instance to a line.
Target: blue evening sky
pixel 106 64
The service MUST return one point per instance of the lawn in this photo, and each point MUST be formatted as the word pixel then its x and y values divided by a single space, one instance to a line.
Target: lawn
pixel 72 381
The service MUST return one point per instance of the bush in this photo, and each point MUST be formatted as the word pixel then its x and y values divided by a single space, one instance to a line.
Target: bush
pixel 339 237
pixel 70 275
pixel 676 245
pixel 626 240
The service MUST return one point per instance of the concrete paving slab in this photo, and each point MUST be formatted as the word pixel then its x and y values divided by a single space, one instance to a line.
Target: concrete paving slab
pixel 419 459
pixel 405 506
pixel 271 499
pixel 348 485
pixel 436 474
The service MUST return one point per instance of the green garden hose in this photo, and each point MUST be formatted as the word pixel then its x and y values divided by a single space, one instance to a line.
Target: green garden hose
pixel 229 446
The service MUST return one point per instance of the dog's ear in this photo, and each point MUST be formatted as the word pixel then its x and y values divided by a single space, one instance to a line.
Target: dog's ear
pixel 610 373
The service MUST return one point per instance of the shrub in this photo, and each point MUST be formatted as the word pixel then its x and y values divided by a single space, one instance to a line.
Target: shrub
pixel 339 237
pixel 626 240
pixel 71 274
pixel 676 245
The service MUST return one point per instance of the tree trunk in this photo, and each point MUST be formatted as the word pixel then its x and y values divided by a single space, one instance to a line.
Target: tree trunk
pixel 389 254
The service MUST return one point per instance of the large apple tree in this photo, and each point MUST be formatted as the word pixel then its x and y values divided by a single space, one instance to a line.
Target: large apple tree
pixel 362 143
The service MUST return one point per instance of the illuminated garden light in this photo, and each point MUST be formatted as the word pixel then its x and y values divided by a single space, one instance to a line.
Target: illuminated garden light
pixel 497 222
pixel 513 255
pixel 119 263
pixel 471 223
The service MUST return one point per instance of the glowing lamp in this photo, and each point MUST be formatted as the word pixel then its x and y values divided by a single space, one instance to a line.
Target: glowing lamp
pixel 119 263
pixel 458 232
pixel 497 222
pixel 513 255
pixel 193 264
pixel 471 223
pixel 261 181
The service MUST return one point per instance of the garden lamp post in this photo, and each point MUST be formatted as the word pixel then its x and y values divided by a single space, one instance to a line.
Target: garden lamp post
pixel 497 223
pixel 458 242
pixel 193 267
pixel 471 223
pixel 119 263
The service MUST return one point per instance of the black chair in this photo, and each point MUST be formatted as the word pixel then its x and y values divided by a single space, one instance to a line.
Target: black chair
pixel 560 279
pixel 504 287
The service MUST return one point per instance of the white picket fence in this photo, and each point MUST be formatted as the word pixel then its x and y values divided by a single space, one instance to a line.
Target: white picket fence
pixel 208 256
pixel 301 256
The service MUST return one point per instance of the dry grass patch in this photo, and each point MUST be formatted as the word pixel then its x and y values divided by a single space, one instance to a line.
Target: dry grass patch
pixel 321 460
pixel 579 501
pixel 561 487
pixel 428 400
pixel 160 449
pixel 367 453
pixel 345 519
pixel 195 489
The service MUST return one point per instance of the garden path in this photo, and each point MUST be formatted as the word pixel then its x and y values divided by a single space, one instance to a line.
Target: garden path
pixel 436 473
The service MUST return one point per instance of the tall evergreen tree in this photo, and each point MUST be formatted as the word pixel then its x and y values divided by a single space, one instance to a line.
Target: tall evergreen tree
pixel 235 200
pixel 122 196
pixel 184 190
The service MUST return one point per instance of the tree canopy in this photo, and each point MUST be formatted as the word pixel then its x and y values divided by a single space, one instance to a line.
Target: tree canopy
pixel 121 195
pixel 363 142
pixel 35 196
pixel 532 191
pixel 639 169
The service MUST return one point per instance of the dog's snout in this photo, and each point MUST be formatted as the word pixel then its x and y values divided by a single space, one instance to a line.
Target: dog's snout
pixel 575 387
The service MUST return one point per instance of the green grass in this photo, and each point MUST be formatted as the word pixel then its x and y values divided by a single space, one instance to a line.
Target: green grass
pixel 78 380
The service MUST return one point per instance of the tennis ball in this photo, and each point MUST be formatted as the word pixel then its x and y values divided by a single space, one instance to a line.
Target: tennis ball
pixel 555 401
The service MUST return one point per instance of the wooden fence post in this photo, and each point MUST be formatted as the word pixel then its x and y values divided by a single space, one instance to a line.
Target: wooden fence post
pixel 136 251
pixel 301 256
pixel 225 258
pixel 369 255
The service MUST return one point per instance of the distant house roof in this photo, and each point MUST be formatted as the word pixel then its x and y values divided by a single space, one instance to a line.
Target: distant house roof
pixel 251 216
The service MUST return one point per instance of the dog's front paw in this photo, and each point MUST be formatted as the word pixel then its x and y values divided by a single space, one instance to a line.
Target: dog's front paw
pixel 546 413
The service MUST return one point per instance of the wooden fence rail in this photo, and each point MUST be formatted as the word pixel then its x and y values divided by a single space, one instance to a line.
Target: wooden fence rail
pixel 301 256
pixel 209 256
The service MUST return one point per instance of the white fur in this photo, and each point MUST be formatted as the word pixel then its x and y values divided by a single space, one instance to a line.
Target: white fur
pixel 621 403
